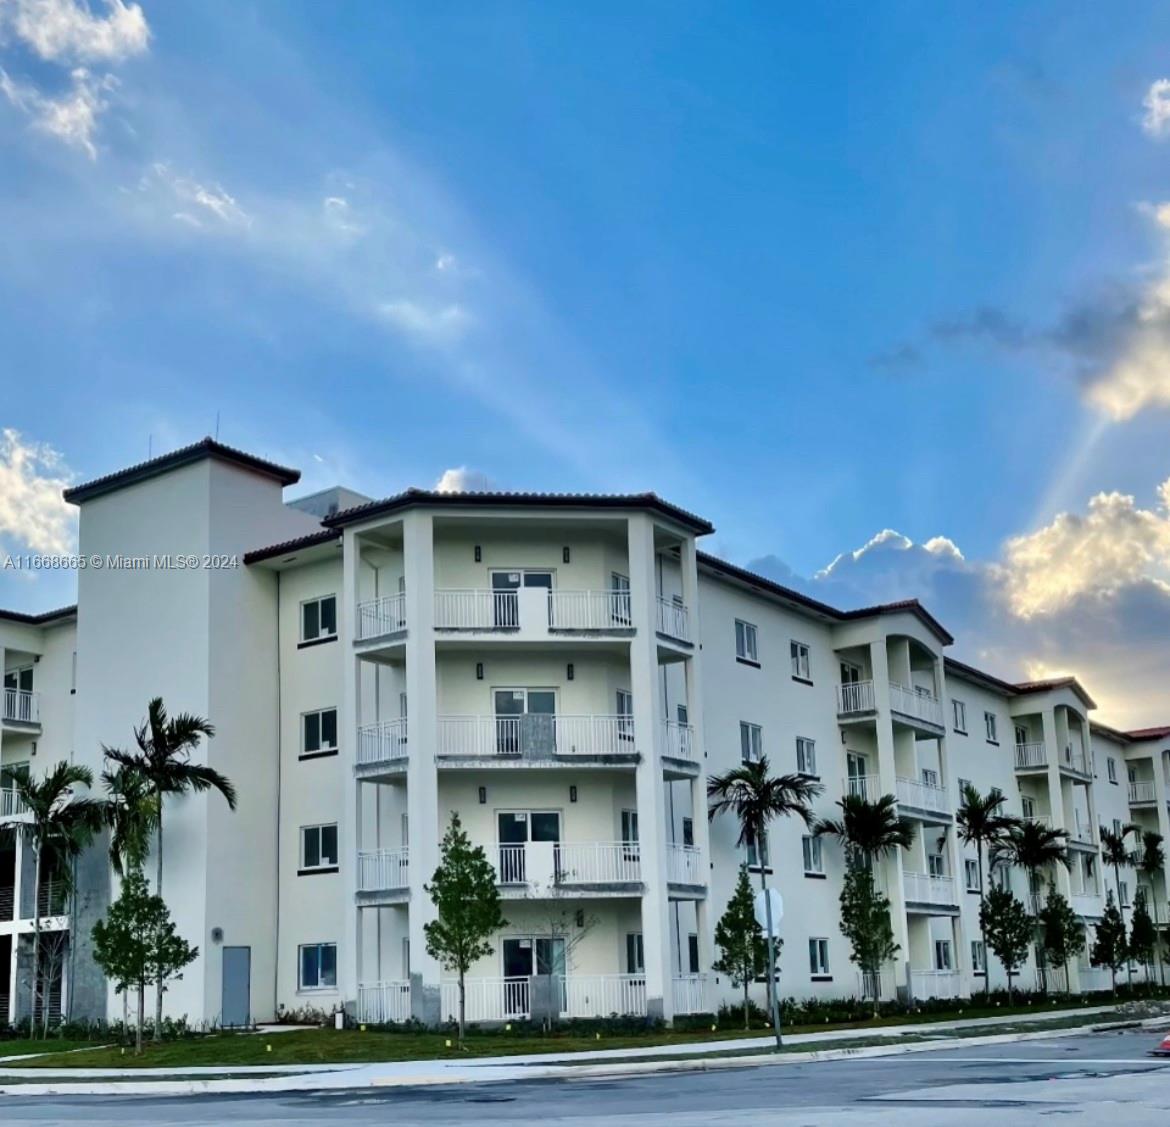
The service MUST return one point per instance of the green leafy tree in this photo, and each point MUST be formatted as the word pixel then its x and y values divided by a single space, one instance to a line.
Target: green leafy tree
pixel 1151 861
pixel 1035 848
pixel 1009 930
pixel 1062 935
pixel 756 799
pixel 983 823
pixel 1143 935
pixel 1115 853
pixel 743 951
pixel 165 745
pixel 1110 945
pixel 868 830
pixel 131 815
pixel 136 944
pixel 467 901
pixel 60 824
pixel 865 922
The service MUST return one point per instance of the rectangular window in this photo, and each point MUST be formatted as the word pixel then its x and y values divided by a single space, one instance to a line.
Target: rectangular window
pixel 1117 827
pixel 972 870
pixel 959 708
pixel 963 785
pixel 693 953
pixel 1111 766
pixel 751 742
pixel 753 854
pixel 1001 878
pixel 319 732
pixel 319 847
pixel 800 665
pixel 818 958
pixel 806 755
pixel 688 831
pixel 635 963
pixel 1124 886
pixel 745 642
pixel 319 618
pixel 318 966
pixel 989 723
pixel 978 957
pixel 929 777
pixel 625 714
pixel 936 864
pixel 1028 806
pixel 813 858
pixel 943 958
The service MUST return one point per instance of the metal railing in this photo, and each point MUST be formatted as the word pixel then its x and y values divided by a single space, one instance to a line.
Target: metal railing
pixel 380 870
pixel 487 999
pixel 11 804
pixel 1086 904
pixel 590 610
pixel 7 909
pixel 598 862
pixel 381 616
pixel 684 864
pixel 536 735
pixel 935 984
pixel 382 742
pixel 867 787
pixel 1074 759
pixel 1031 755
pixel 855 697
pixel 922 888
pixel 917 705
pixel 383 1002
pixel 476 608
pixel 869 985
pixel 673 619
pixel 690 993
pixel 22 706
pixel 1142 792
pixel 600 995
pixel 679 741
pixel 922 796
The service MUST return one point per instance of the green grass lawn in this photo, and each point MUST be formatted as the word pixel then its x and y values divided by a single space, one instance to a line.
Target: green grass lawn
pixel 23 1047
pixel 327 1046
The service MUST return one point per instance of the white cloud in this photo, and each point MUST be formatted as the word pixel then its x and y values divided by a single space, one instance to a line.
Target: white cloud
pixel 33 514
pixel 71 117
pixel 435 323
pixel 200 205
pixel 68 31
pixel 461 479
pixel 1156 121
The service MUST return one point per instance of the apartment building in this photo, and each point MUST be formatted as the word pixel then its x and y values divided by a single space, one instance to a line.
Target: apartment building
pixel 564 672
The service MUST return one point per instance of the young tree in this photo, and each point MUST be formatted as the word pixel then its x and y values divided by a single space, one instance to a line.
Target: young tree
pixel 1035 848
pixel 1062 935
pixel 1115 853
pixel 163 759
pixel 1143 936
pixel 868 830
pixel 865 922
pixel 136 944
pixel 463 890
pixel 1110 947
pixel 756 799
pixel 743 951
pixel 1009 930
pixel 1152 862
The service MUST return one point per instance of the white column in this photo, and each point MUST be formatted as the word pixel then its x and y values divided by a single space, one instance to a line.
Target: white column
pixel 958 875
pixel 649 785
pixel 350 965
pixel 1158 762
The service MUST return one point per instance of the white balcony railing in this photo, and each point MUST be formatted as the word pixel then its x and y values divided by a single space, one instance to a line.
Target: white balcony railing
pixel 381 616
pixel 381 742
pixel 1086 904
pixel 690 993
pixel 869 985
pixel 922 796
pixel 10 803
pixel 922 888
pixel 1039 819
pixel 1030 755
pixel 595 995
pixel 599 862
pixel 487 999
pixel 382 870
pixel 684 864
pixel 1052 979
pixel 679 741
pixel 674 619
pixel 474 608
pixel 916 704
pixel 21 706
pixel 592 735
pixel 1082 831
pixel 600 995
pixel 868 787
pixel 935 984
pixel 590 610
pixel 1074 759
pixel 1096 979
pixel 1142 792
pixel 383 1002
pixel 535 735
pixel 855 697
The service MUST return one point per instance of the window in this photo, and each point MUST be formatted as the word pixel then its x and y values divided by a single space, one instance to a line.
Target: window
pixel 991 726
pixel 753 855
pixel 319 619
pixel 818 958
pixel 1028 806
pixel 936 864
pixel 1111 766
pixel 1001 878
pixel 929 777
pixel 972 870
pixel 959 709
pixel 1124 886
pixel 814 861
pixel 319 848
pixel 978 957
pixel 943 958
pixel 1117 827
pixel 688 831
pixel 1021 735
pixel 635 963
pixel 319 731
pixel 693 953
pixel 800 666
pixel 745 642
pixel 963 785
pixel 806 755
pixel 318 966
pixel 625 714
pixel 751 742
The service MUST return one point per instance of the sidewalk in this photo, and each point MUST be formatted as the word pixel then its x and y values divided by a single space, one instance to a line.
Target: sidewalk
pixel 180 1081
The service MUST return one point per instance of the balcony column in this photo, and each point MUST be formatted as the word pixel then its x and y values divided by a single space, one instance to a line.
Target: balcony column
pixel 950 784
pixel 649 784
pixel 349 967
pixel 1052 753
pixel 1161 798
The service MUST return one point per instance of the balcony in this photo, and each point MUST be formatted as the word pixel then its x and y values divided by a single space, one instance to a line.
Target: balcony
pixel 684 865
pixel 20 707
pixel 509 999
pixel 377 618
pixel 922 888
pixel 1074 760
pixel 1087 904
pixel 536 736
pixel 1142 794
pixel 926 984
pixel 11 805
pixel 1031 756
pixel 856 699
pixel 867 787
pixel 383 871
pixel 674 620
pixel 923 796
pixel 1081 833
pixel 533 611
pixel 379 1003
pixel 916 705
pixel 690 994
pixel 382 744
pixel 678 740
pixel 548 868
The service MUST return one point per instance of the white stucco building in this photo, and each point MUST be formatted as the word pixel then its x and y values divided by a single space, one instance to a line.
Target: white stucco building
pixel 562 671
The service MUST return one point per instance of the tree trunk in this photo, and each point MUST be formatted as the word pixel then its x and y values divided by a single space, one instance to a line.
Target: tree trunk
pixel 158 885
pixel 982 929
pixel 747 1003
pixel 1041 965
pixel 36 956
pixel 141 1017
pixel 1121 912
pixel 773 998
pixel 462 1008
pixel 1010 976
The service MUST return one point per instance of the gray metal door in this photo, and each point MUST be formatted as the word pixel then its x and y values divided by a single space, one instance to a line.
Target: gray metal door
pixel 237 986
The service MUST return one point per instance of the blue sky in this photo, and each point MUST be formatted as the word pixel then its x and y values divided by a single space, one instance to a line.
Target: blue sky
pixel 815 273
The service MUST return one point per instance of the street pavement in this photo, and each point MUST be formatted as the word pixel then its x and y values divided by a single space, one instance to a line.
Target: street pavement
pixel 1086 1079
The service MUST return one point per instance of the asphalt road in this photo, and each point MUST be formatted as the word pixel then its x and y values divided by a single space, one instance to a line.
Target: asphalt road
pixel 1103 1078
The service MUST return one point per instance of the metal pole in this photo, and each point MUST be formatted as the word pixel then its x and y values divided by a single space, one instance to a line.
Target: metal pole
pixel 773 993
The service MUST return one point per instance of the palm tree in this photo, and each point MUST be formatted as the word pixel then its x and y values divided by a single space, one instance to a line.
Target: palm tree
pixel 163 759
pixel 981 821
pixel 59 827
pixel 756 799
pixel 131 815
pixel 1034 847
pixel 1115 854
pixel 869 830
pixel 1152 862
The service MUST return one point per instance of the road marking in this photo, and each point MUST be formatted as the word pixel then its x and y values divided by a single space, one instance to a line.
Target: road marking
pixel 1069 1062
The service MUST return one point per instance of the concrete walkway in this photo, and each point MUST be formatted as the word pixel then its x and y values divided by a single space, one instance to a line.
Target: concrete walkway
pixel 251 1078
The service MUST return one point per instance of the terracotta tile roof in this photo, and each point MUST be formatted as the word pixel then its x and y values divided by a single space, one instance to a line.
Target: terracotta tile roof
pixel 313 538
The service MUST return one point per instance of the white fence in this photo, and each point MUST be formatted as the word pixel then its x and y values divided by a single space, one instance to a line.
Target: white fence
pixel 10 803
pixel 379 1002
pixel 380 870
pixel 535 735
pixel 690 993
pixel 22 706
pixel 1094 979
pixel 870 986
pixel 475 608
pixel 598 862
pixel 679 741
pixel 935 984
pixel 1086 905
pixel 867 787
pixel 381 616
pixel 593 735
pixel 922 888
pixel 1031 755
pixel 915 704
pixel 684 864
pixel 486 999
pixel 856 696
pixel 1052 979
pixel 922 796
pixel 599 995
pixel 1142 792
pixel 382 742
pixel 673 619
pixel 589 610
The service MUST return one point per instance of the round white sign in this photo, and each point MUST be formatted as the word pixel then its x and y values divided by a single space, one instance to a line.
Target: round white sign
pixel 761 907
